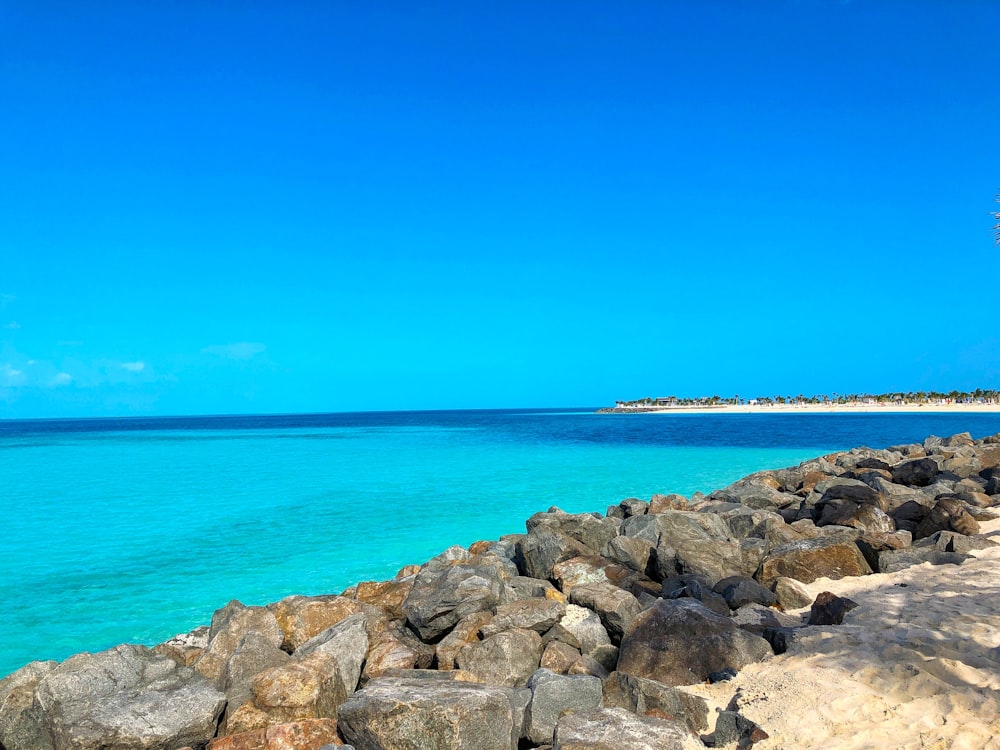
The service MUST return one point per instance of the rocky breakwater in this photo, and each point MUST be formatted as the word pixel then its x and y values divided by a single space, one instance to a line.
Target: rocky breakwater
pixel 580 633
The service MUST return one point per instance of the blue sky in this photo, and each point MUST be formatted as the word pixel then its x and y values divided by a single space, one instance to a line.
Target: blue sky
pixel 222 207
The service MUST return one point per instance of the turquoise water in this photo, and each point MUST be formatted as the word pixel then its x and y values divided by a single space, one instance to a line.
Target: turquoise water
pixel 134 530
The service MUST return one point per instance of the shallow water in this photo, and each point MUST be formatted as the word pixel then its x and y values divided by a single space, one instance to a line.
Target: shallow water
pixel 134 530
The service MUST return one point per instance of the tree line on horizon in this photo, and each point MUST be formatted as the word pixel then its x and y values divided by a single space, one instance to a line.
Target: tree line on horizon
pixel 979 395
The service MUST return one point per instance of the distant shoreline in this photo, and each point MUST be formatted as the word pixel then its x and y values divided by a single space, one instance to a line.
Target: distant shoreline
pixel 851 408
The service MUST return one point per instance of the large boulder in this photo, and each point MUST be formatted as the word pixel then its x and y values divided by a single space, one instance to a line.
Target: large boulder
pixel 809 559
pixel 645 696
pixel 507 659
pixel 948 514
pixel 616 607
pixel 529 614
pixel 551 694
pixel 22 723
pixel 126 697
pixel 917 472
pixel 303 617
pixel 443 595
pixel 308 734
pixel 589 529
pixel 543 547
pixel 619 729
pixel 681 642
pixel 414 714
pixel 230 626
pixel 396 647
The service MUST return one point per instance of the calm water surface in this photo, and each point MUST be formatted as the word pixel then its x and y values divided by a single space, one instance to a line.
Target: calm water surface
pixel 134 530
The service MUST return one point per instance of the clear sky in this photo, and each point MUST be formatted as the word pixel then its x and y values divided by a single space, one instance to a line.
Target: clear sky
pixel 226 207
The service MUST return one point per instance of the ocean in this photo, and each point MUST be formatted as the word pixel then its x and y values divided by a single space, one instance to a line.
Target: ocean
pixel 133 530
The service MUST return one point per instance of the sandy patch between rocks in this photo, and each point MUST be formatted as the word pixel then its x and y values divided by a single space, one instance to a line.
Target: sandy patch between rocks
pixel 916 665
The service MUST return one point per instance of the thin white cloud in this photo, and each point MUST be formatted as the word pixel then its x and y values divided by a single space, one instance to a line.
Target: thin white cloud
pixel 239 350
pixel 134 366
pixel 62 378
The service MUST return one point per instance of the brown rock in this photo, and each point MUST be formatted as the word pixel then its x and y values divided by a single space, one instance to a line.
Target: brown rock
pixel 389 595
pixel 302 617
pixel 309 734
pixel 559 657
pixel 395 647
pixel 465 632
pixel 810 559
pixel 661 503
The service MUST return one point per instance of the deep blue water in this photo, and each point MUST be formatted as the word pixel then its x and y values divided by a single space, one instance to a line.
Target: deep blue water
pixel 135 529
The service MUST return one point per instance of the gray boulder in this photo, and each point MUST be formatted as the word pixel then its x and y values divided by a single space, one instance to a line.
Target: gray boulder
pixel 441 596
pixel 506 659
pixel 809 559
pixel 613 605
pixel 645 696
pixel 590 530
pixel 230 625
pixel 543 547
pixel 892 561
pixel 917 472
pixel 551 694
pixel 681 642
pixel 580 628
pixel 252 655
pixel 619 729
pixel 22 723
pixel 528 614
pixel 414 714
pixel 740 590
pixel 126 698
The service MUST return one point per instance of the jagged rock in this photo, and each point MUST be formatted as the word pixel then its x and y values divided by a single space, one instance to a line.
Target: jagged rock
pixel 661 503
pixel 253 655
pixel 543 547
pixel 395 647
pixel 992 477
pixel 747 523
pixel 917 472
pixel 619 729
pixel 441 596
pixel 702 542
pixel 829 609
pixel 893 561
pixel 947 514
pixel 389 595
pixel 229 627
pixel 317 679
pixel 680 641
pixel 303 617
pixel 637 554
pixel 588 666
pixel 507 659
pixel 697 587
pixel 615 607
pixel 551 694
pixel 590 530
pixel 756 618
pixel 528 614
pixel 645 696
pixel 633 506
pixel 950 541
pixel 732 728
pixel 791 594
pixel 581 628
pixel 21 720
pixel 855 491
pixel 740 590
pixel 308 734
pixel 865 517
pixel 407 714
pixel 525 587
pixel 128 693
pixel 810 559
pixel 589 569
pixel 558 657
pixel 467 631
pixel 185 648
pixel 872 544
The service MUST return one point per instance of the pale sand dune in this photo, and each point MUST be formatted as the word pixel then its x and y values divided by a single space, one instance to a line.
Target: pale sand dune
pixel 916 665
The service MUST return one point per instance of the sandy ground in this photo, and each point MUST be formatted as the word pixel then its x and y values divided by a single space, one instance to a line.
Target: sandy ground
pixel 916 665
pixel 819 409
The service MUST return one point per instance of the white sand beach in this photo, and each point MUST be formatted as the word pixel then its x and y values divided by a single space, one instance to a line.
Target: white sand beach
pixel 852 408
pixel 915 665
